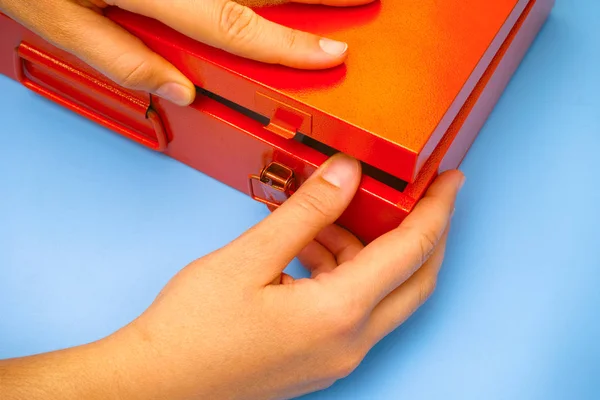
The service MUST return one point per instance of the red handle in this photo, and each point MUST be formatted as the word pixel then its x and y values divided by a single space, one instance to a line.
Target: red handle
pixel 91 97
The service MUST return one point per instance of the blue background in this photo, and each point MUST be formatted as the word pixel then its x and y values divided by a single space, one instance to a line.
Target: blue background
pixel 92 226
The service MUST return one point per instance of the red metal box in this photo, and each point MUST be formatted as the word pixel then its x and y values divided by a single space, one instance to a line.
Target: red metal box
pixel 419 83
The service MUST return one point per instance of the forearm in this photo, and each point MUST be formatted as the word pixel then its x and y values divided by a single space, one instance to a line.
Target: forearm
pixel 94 371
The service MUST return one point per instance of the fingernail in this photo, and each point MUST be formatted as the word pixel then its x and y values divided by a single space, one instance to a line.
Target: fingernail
pixel 175 92
pixel 333 47
pixel 340 171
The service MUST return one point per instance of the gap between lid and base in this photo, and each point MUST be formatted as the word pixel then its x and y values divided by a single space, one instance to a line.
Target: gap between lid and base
pixel 367 169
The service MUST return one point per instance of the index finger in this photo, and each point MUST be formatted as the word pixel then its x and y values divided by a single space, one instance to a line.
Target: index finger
pixel 390 260
pixel 237 29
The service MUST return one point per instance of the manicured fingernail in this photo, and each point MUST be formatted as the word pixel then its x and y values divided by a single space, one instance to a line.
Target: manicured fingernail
pixel 332 47
pixel 462 182
pixel 340 171
pixel 176 93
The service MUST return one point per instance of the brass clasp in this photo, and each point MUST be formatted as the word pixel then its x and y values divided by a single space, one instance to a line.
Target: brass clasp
pixel 276 181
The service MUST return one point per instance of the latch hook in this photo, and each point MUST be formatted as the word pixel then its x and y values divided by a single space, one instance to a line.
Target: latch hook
pixel 277 182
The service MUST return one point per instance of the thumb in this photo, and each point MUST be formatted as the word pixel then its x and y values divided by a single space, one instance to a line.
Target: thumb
pixel 237 29
pixel 318 203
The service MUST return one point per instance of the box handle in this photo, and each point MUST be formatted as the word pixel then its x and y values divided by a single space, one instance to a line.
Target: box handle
pixel 88 96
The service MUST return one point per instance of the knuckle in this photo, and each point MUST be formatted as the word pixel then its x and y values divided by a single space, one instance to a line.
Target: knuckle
pixel 427 243
pixel 135 75
pixel 347 364
pixel 426 289
pixel 312 204
pixel 290 38
pixel 348 324
pixel 236 22
pixel 344 316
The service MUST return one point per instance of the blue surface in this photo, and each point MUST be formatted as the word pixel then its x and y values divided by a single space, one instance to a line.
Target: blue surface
pixel 92 226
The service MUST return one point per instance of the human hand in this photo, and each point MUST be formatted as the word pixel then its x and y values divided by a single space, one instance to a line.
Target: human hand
pixel 231 326
pixel 79 27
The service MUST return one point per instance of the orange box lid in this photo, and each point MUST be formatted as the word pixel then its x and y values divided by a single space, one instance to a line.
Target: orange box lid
pixel 411 67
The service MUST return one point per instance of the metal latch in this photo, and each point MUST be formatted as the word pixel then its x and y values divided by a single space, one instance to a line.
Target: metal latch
pixel 276 181
pixel 284 120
